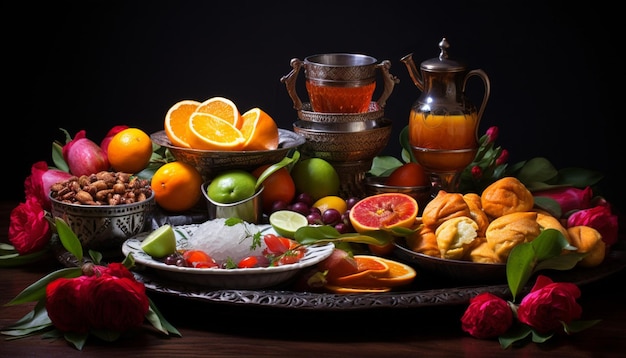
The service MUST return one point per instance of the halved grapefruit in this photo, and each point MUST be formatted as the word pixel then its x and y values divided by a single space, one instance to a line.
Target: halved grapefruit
pixel 384 211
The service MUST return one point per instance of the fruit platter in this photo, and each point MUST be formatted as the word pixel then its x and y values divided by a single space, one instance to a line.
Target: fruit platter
pixel 322 241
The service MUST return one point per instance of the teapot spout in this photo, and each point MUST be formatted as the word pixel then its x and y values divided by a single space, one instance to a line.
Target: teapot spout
pixel 413 72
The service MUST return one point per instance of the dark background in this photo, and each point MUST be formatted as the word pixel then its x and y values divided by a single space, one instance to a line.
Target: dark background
pixel 556 76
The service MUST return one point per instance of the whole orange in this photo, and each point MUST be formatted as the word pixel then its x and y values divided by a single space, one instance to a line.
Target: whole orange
pixel 408 174
pixel 279 186
pixel 176 186
pixel 129 151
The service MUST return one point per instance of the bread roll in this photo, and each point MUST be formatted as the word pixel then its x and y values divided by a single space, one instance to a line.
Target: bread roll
pixel 424 242
pixel 510 230
pixel 588 241
pixel 547 221
pixel 443 207
pixel 476 212
pixel 483 253
pixel 505 196
pixel 455 236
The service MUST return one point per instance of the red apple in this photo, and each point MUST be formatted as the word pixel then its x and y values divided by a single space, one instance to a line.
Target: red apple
pixel 84 157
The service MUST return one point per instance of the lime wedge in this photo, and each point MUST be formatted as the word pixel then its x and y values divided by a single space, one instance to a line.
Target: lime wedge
pixel 287 222
pixel 160 243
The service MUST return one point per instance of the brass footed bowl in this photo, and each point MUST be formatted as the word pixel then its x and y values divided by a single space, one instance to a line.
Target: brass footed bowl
pixel 211 162
pixel 343 142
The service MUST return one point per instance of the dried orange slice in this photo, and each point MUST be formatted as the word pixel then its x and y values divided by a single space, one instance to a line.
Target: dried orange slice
pixel 223 108
pixel 384 211
pixel 259 129
pixel 210 132
pixel 177 122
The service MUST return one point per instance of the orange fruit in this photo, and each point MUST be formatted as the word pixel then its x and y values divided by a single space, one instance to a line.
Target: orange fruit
pixel 259 130
pixel 408 174
pixel 223 108
pixel 129 151
pixel 384 211
pixel 279 186
pixel 331 202
pixel 176 186
pixel 382 250
pixel 177 122
pixel 400 274
pixel 210 132
pixel 339 289
pixel 373 277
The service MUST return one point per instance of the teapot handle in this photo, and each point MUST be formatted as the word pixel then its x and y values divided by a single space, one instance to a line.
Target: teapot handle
pixel 389 82
pixel 485 78
pixel 290 82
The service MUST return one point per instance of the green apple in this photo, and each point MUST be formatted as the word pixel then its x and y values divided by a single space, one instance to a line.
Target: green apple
pixel 231 186
pixel 160 243
pixel 316 177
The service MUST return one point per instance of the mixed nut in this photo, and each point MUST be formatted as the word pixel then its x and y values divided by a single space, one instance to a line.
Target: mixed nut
pixel 102 188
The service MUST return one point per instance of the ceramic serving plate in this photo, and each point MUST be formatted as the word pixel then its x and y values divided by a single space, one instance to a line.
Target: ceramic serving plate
pixel 247 278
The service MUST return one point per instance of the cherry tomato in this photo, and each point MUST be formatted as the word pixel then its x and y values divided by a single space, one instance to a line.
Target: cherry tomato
pixel 277 245
pixel 290 257
pixel 198 259
pixel 253 261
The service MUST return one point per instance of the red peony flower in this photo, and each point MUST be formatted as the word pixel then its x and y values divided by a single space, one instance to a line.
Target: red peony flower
pixel 599 218
pixel 549 305
pixel 65 303
pixel 487 316
pixel 569 198
pixel 29 230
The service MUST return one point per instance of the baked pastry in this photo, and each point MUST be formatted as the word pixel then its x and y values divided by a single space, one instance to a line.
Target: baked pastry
pixel 505 196
pixel 455 237
pixel 483 253
pixel 547 221
pixel 476 212
pixel 588 241
pixel 443 207
pixel 423 241
pixel 510 230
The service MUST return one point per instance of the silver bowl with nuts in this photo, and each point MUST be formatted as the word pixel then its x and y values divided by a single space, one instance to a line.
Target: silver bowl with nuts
pixel 104 209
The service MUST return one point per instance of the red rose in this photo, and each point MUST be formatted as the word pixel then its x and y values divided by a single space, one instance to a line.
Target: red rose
pixel 599 218
pixel 569 198
pixel 65 303
pixel 116 304
pixel 29 230
pixel 549 305
pixel 487 316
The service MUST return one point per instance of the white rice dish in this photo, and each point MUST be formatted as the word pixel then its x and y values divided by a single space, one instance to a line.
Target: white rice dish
pixel 223 242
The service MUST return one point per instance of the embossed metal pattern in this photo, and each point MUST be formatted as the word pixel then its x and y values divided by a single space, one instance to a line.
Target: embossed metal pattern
pixel 105 226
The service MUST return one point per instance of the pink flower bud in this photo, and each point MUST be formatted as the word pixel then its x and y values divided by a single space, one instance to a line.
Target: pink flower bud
pixel 569 198
pixel 477 173
pixel 84 157
pixel 492 134
pixel 504 156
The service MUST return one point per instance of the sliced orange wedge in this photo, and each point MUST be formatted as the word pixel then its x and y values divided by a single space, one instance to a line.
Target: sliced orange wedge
pixel 373 275
pixel 210 132
pixel 340 289
pixel 177 122
pixel 259 129
pixel 223 108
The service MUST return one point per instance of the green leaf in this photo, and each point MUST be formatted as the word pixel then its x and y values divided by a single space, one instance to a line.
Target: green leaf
pixel 159 322
pixel 77 339
pixel 57 157
pixel 96 257
pixel 106 335
pixel 404 142
pixel 34 321
pixel 541 337
pixel 37 290
pixel 578 326
pixel 579 177
pixel 548 204
pixel 514 334
pixel 537 169
pixel 12 259
pixel 68 239
pixel 309 235
pixel 549 243
pixel 519 267
pixel 562 262
pixel 384 165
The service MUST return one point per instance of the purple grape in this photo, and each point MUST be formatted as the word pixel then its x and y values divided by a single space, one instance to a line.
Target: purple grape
pixel 280 205
pixel 331 216
pixel 351 201
pixel 315 210
pixel 343 228
pixel 301 208
pixel 345 217
pixel 305 198
pixel 315 218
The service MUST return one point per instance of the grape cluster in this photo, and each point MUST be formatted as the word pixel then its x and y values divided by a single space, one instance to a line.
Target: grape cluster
pixel 303 204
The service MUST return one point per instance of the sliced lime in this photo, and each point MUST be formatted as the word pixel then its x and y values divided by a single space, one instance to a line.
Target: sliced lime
pixel 160 243
pixel 287 222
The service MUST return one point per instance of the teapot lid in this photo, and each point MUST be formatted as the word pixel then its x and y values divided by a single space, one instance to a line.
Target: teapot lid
pixel 442 63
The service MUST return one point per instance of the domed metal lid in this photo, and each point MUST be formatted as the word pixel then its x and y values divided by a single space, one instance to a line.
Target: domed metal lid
pixel 442 63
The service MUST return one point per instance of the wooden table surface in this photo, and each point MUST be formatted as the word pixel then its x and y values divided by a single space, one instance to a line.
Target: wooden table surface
pixel 212 330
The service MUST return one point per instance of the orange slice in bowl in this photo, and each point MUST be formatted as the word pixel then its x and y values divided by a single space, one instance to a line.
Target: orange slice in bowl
pixel 210 132
pixel 223 108
pixel 177 122
pixel 259 129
